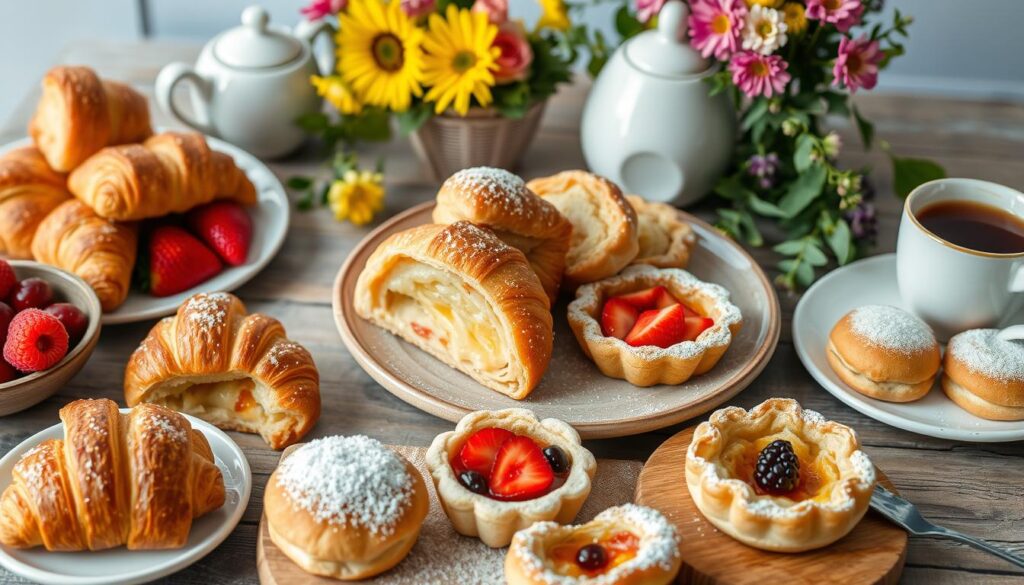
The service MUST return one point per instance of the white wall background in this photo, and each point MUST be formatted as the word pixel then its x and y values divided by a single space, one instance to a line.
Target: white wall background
pixel 958 48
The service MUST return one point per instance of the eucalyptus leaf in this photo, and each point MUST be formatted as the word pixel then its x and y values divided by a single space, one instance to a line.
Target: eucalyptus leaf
pixel 813 254
pixel 732 188
pixel 789 247
pixel 765 208
pixel 841 240
pixel 804 149
pixel 908 173
pixel 803 191
pixel 755 114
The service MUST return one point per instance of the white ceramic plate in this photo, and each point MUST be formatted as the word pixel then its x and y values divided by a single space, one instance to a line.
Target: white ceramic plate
pixel 873 281
pixel 119 566
pixel 270 226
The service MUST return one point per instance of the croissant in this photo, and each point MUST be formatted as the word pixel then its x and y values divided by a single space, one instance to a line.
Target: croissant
pixel 29 190
pixel 79 113
pixel 234 370
pixel 101 252
pixel 136 479
pixel 168 173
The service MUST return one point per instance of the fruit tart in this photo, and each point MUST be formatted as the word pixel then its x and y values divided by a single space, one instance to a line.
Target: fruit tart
pixel 626 544
pixel 500 471
pixel 653 325
pixel 779 477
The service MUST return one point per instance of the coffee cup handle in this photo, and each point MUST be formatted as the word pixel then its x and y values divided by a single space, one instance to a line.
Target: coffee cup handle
pixel 1017 282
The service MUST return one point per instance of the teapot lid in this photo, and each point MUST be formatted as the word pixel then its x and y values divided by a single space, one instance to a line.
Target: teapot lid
pixel 254 45
pixel 665 51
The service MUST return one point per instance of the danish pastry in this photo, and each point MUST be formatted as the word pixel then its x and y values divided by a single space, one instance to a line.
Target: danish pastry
pixel 666 239
pixel 985 374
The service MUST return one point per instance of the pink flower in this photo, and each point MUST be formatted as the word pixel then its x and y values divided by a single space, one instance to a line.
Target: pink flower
pixel 318 9
pixel 758 75
pixel 845 14
pixel 496 10
pixel 716 25
pixel 516 53
pixel 648 9
pixel 418 8
pixel 857 64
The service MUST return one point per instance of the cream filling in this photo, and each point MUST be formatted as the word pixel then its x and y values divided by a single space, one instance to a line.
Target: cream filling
pixel 589 227
pixel 229 400
pixel 887 386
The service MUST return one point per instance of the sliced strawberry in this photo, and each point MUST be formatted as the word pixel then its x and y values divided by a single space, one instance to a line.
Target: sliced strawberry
pixel 689 312
pixel 660 327
pixel 656 297
pixel 520 470
pixel 178 261
pixel 617 318
pixel 695 326
pixel 225 227
pixel 481 448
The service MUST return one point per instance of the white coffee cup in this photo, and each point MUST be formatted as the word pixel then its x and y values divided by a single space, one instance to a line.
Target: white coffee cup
pixel 951 287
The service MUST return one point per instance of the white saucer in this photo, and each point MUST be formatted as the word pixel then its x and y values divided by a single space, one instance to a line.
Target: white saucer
pixel 873 281
pixel 119 566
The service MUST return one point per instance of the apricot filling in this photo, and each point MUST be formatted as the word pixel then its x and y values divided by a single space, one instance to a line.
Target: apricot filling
pixel 593 553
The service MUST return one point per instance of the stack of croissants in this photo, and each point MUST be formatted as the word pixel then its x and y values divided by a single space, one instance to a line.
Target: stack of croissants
pixel 74 198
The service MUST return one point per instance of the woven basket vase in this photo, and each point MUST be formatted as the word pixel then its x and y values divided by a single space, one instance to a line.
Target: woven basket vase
pixel 449 143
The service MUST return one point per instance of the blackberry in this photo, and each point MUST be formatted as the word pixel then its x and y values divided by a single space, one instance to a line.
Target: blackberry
pixel 474 481
pixel 778 469
pixel 591 557
pixel 556 459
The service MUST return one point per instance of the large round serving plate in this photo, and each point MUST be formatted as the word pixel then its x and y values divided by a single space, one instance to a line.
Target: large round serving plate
pixel 872 281
pixel 120 566
pixel 270 226
pixel 573 389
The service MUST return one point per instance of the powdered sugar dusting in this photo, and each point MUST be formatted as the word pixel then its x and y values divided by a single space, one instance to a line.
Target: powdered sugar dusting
pixel 208 309
pixel 498 187
pixel 464 237
pixel 353 481
pixel 891 328
pixel 984 352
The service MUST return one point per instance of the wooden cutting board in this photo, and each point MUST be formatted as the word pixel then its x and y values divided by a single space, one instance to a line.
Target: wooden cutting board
pixel 872 553
pixel 441 556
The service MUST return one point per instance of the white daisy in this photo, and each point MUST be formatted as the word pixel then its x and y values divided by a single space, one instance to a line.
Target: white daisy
pixel 765 30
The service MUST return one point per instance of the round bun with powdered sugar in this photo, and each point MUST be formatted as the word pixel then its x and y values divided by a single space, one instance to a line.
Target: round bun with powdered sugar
pixel 984 374
pixel 885 353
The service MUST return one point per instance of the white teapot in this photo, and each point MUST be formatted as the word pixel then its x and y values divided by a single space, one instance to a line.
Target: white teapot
pixel 250 84
pixel 650 124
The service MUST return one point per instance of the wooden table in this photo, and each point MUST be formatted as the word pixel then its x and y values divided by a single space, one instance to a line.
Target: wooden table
pixel 976 488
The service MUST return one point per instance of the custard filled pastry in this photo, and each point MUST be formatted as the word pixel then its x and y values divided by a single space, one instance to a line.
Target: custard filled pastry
pixel 605 236
pixel 498 200
pixel 235 370
pixel 168 173
pixel 666 239
pixel 79 113
pixel 464 296
pixel 99 251
pixel 135 479
pixel 29 191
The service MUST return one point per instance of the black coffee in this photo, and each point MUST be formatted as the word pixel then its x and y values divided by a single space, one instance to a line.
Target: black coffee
pixel 976 226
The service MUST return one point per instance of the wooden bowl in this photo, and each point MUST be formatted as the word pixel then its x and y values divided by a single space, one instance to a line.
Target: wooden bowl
pixel 27 391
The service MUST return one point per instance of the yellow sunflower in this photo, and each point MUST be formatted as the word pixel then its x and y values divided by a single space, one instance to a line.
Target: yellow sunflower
pixel 796 20
pixel 460 59
pixel 356 196
pixel 555 15
pixel 337 93
pixel 379 53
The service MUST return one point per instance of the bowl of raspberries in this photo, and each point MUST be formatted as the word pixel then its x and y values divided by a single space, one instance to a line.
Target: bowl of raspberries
pixel 49 326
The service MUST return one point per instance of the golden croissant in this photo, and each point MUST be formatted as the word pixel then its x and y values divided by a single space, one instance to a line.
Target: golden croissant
pixel 101 252
pixel 135 479
pixel 238 371
pixel 29 191
pixel 79 113
pixel 168 173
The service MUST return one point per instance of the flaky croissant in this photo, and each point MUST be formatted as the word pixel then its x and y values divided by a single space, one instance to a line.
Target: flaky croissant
pixel 29 191
pixel 101 252
pixel 135 479
pixel 79 113
pixel 238 371
pixel 168 173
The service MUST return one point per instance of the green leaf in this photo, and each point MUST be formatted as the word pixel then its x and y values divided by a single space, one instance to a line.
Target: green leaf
pixel 804 274
pixel 841 240
pixel 749 229
pixel 866 128
pixel 765 208
pixel 732 189
pixel 315 122
pixel 813 254
pixel 803 191
pixel 410 120
pixel 804 149
pixel 908 173
pixel 755 113
pixel 626 24
pixel 789 247
pixel 299 183
pixel 305 203
pixel 837 103
pixel 373 125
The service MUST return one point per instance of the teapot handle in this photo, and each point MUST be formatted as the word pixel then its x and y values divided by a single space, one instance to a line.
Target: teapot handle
pixel 309 31
pixel 166 81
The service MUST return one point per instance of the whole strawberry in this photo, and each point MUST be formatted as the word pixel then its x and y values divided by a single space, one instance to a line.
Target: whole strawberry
pixel 178 261
pixel 7 279
pixel 35 342
pixel 226 227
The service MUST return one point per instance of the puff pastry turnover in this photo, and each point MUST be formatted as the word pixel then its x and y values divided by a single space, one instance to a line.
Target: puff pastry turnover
pixel 500 201
pixel 29 191
pixel 666 239
pixel 464 296
pixel 605 236
pixel 238 371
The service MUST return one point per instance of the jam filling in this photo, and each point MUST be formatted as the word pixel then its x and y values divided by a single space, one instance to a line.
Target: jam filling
pixel 588 554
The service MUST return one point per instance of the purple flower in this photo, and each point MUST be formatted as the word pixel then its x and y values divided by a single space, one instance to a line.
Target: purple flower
pixel 763 168
pixel 863 222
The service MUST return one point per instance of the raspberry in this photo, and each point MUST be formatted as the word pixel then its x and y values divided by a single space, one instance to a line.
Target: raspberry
pixel 778 469
pixel 36 341
pixel 7 279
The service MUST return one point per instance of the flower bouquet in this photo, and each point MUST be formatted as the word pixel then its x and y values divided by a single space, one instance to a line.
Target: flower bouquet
pixel 789 64
pixel 465 80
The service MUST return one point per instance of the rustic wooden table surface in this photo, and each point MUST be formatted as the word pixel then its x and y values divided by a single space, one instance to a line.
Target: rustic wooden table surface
pixel 975 488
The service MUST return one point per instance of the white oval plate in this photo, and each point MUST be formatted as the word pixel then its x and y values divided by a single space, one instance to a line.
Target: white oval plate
pixel 120 566
pixel 270 218
pixel 873 281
